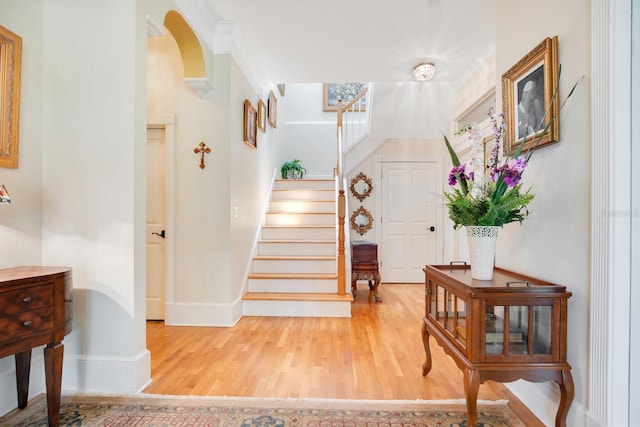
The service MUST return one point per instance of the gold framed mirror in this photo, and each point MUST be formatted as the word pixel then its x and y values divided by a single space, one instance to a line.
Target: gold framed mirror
pixel 361 186
pixel 10 62
pixel 361 220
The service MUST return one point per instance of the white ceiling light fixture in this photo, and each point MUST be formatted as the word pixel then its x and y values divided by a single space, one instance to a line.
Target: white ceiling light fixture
pixel 424 71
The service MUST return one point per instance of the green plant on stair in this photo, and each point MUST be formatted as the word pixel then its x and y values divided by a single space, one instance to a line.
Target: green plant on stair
pixel 292 170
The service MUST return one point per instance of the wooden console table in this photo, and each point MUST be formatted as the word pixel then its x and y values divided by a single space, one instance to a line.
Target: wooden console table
pixel 364 266
pixel 508 328
pixel 36 309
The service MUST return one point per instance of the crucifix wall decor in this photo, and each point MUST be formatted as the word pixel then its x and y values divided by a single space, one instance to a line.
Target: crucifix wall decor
pixel 202 151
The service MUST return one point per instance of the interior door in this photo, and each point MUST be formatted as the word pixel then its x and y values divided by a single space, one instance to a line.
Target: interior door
pixel 409 228
pixel 156 248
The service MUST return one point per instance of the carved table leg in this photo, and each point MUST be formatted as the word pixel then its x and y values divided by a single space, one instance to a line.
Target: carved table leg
pixel 53 373
pixel 354 284
pixel 471 386
pixel 23 368
pixel 426 366
pixel 566 397
pixel 375 286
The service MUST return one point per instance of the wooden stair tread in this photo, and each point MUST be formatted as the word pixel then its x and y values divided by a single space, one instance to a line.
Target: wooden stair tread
pixel 298 226
pixel 300 213
pixel 302 201
pixel 296 257
pixel 297 241
pixel 306 179
pixel 298 296
pixel 294 276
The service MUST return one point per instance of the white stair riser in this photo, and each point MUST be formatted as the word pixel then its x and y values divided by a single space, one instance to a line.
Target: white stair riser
pixel 296 308
pixel 294 266
pixel 298 233
pixel 299 219
pixel 303 195
pixel 303 184
pixel 298 206
pixel 293 285
pixel 299 248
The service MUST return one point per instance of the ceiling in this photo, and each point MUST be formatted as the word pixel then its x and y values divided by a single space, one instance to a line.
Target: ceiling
pixel 313 41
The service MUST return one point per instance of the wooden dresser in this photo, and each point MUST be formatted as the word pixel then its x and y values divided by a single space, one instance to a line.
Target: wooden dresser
pixel 36 308
pixel 508 328
pixel 364 266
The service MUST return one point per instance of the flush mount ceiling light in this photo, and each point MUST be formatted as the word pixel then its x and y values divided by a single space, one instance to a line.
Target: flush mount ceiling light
pixel 424 71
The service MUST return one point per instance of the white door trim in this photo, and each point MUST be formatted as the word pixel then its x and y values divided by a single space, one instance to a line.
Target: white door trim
pixel 168 123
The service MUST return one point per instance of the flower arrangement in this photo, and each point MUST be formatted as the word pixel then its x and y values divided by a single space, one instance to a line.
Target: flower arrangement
pixel 489 197
pixel 494 196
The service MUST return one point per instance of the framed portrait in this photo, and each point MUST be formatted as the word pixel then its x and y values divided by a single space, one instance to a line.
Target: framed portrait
pixel 10 67
pixel 527 91
pixel 273 109
pixel 250 124
pixel 262 116
pixel 331 92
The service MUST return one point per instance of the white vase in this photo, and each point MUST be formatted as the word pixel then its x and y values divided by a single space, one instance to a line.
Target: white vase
pixel 482 250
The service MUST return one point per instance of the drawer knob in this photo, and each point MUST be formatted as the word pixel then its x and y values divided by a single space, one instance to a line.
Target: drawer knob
pixel 68 300
pixel 26 300
pixel 26 323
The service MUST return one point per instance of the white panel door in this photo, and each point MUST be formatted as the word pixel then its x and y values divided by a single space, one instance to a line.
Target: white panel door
pixel 156 249
pixel 409 236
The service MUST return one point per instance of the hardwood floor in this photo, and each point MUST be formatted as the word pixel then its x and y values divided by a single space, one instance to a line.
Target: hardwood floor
pixel 376 354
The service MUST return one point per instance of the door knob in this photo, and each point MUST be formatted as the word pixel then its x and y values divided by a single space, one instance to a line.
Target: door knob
pixel 432 228
pixel 161 234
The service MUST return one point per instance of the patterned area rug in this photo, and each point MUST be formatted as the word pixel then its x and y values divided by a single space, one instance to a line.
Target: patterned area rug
pixel 153 410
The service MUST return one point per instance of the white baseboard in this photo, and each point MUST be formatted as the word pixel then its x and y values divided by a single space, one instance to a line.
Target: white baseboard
pixel 8 394
pixel 543 399
pixel 210 314
pixel 89 374
pixel 105 374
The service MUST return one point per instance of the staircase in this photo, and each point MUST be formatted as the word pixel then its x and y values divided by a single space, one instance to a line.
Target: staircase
pixel 295 269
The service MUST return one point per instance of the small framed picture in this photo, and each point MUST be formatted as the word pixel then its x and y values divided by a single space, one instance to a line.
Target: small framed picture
pixel 262 116
pixel 250 124
pixel 331 92
pixel 273 109
pixel 527 91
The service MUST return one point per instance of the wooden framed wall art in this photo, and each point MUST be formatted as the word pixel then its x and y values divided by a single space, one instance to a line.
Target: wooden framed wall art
pixel 250 124
pixel 10 65
pixel 331 92
pixel 527 91
pixel 273 109
pixel 262 116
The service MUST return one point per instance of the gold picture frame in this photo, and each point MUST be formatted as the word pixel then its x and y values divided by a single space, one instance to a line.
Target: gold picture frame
pixel 527 89
pixel 361 220
pixel 262 116
pixel 10 67
pixel 273 109
pixel 361 186
pixel 250 124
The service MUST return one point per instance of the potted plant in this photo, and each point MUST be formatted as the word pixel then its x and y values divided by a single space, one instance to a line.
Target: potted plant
pixel 292 170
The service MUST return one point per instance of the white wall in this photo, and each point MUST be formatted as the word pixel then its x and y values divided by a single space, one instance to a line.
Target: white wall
pixel 213 247
pixel 92 127
pixel 21 221
pixel 553 243
pixel 309 130
pixel 84 112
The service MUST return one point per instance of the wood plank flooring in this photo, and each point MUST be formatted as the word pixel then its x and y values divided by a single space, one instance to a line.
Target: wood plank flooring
pixel 376 354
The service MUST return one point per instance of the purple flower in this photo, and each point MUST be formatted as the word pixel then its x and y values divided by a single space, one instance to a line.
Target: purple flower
pixel 511 171
pixel 456 174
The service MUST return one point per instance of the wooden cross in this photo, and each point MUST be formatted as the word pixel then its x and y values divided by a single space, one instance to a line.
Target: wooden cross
pixel 202 150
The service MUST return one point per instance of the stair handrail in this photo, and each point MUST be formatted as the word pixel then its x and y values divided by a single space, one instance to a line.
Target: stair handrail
pixel 352 123
pixel 356 105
